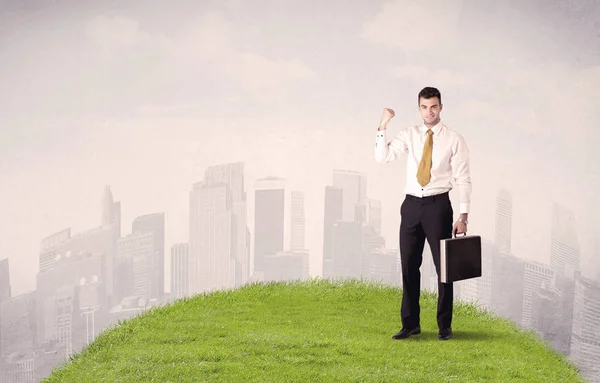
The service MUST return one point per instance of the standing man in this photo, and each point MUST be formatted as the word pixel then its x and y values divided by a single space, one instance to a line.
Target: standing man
pixel 436 155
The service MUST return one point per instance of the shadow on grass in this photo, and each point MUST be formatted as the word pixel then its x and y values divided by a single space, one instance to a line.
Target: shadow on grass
pixel 457 336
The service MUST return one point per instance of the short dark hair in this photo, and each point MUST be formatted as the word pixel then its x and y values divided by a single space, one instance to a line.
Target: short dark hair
pixel 429 92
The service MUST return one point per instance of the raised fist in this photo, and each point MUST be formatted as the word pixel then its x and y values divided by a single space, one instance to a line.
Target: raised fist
pixel 386 117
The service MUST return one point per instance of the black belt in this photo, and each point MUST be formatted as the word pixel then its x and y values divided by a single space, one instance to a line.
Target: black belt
pixel 428 198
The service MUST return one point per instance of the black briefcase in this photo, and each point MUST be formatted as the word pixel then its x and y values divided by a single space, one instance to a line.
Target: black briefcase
pixel 460 258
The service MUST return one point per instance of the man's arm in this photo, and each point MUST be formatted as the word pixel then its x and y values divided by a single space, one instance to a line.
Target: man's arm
pixel 461 174
pixel 389 151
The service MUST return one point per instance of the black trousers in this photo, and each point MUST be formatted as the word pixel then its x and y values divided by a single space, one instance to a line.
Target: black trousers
pixel 428 218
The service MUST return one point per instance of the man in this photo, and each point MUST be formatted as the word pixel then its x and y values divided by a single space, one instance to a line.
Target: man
pixel 436 155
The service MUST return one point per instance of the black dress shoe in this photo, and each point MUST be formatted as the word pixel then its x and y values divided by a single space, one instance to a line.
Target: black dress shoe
pixel 406 332
pixel 445 333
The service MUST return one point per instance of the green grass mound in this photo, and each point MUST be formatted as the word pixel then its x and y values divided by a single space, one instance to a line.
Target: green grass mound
pixel 315 331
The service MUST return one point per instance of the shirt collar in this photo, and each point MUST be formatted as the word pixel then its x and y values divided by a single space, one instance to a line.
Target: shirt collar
pixel 436 129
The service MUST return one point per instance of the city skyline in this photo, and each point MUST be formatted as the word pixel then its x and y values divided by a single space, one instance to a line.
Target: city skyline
pixel 81 257
pixel 543 257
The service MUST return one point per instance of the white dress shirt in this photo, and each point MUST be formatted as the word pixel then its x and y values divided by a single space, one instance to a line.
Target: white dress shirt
pixel 450 160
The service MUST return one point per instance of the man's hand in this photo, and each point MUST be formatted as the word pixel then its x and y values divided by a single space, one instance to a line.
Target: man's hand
pixel 386 117
pixel 459 226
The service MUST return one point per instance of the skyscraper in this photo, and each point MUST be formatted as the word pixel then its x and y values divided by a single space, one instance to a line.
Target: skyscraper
pixel 180 270
pixel 564 248
pixel 503 221
pixel 211 237
pixel 218 242
pixel 354 186
pixel 537 276
pixel 332 214
pixel 585 343
pixel 298 221
pixel 5 292
pixel 374 214
pixel 268 220
pixel 155 224
pixel 232 174
pixel 111 211
pixel 111 217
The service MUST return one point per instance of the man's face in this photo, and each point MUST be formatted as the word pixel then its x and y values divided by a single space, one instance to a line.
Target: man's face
pixel 430 110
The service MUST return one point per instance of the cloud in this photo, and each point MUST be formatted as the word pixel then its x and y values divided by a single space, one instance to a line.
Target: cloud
pixel 211 37
pixel 415 27
pixel 208 49
pixel 113 33
pixel 441 78
pixel 264 77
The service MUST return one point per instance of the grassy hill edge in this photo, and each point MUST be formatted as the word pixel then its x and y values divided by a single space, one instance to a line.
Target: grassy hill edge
pixel 265 318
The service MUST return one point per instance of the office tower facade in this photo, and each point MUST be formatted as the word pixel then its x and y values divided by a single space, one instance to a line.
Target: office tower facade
pixel 111 211
pixel 135 264
pixel 354 196
pixel 5 292
pixel 503 221
pixel 564 248
pixel 232 174
pixel 298 221
pixel 508 278
pixel 374 214
pixel 180 270
pixel 332 214
pixel 155 224
pixel 269 204
pixel 585 342
pixel 347 250
pixel 218 247
pixel 537 276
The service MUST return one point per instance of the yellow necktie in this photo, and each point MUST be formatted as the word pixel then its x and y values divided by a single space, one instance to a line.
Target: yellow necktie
pixel 424 173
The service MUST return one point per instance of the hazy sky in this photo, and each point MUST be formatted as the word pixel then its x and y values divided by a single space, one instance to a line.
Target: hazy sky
pixel 144 96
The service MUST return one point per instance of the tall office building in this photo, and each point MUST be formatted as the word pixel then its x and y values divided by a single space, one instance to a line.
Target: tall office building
pixel 180 270
pixel 374 214
pixel 18 324
pixel 18 338
pixel 232 174
pixel 218 247
pixel 211 237
pixel 546 315
pixel 135 266
pixel 298 222
pixel 332 214
pixel 111 211
pixel 52 246
pixel 537 277
pixel 585 341
pixel 111 218
pixel 354 196
pixel 503 222
pixel 5 292
pixel 155 224
pixel 73 268
pixel 564 248
pixel 347 250
pixel 507 290
pixel 5 295
pixel 269 204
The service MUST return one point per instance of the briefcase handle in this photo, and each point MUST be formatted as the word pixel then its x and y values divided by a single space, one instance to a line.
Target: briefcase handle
pixel 454 233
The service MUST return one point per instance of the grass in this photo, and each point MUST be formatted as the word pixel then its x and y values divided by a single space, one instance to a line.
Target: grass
pixel 313 331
